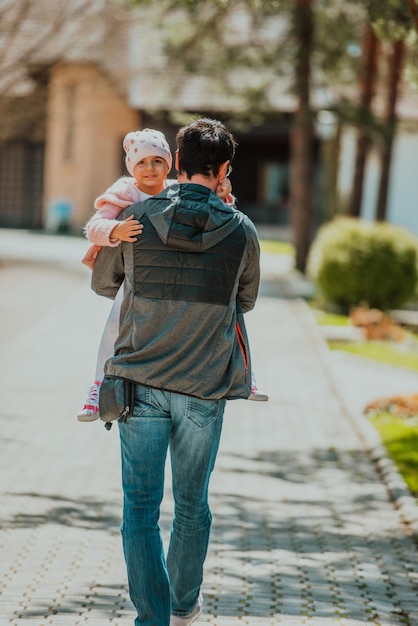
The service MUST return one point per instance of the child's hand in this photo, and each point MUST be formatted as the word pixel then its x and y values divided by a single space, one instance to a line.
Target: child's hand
pixel 224 188
pixel 127 230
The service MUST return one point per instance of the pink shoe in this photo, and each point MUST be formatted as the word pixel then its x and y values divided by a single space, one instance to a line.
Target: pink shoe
pixel 90 410
pixel 257 395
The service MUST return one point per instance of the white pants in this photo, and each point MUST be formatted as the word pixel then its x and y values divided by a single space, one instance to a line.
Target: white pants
pixel 109 336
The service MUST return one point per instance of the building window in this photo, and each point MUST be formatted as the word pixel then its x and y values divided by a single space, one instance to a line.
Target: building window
pixel 273 184
pixel 273 189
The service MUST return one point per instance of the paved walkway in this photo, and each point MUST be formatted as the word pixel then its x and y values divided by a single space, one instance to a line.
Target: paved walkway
pixel 305 530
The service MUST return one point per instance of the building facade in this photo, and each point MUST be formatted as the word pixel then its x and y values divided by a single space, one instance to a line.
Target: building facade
pixel 104 72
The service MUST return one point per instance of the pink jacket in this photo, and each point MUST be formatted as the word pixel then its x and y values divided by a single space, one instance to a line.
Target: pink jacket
pixel 113 201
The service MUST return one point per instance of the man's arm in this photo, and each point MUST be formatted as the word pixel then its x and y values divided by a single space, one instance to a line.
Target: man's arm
pixel 108 272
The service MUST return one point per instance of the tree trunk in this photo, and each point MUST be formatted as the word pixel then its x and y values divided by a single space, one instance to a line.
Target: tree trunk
pixel 330 158
pixel 301 137
pixel 394 76
pixel 367 81
pixel 413 10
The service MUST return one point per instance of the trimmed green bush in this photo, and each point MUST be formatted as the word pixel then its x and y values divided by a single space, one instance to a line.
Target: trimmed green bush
pixel 353 262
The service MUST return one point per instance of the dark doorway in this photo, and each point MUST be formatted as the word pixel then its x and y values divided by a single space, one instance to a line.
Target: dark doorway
pixel 260 177
pixel 21 184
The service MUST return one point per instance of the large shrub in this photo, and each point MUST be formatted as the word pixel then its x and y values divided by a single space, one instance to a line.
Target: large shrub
pixel 358 262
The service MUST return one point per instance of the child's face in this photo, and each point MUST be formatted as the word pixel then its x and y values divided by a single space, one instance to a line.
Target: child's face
pixel 150 174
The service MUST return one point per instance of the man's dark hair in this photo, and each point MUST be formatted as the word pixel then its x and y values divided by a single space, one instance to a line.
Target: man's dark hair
pixel 203 146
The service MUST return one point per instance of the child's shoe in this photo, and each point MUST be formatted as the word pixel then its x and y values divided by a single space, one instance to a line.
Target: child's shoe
pixel 257 395
pixel 90 410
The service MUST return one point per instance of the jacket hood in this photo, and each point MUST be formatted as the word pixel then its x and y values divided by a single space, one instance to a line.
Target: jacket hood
pixel 202 221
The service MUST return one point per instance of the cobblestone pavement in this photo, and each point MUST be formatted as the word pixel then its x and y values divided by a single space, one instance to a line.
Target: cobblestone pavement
pixel 304 532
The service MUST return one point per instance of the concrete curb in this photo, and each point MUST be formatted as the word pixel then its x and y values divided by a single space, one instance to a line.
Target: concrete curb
pixel 398 490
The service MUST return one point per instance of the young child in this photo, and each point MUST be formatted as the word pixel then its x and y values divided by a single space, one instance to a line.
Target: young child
pixel 148 160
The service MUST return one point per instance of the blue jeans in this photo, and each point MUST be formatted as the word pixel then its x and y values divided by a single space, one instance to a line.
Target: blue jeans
pixel 192 429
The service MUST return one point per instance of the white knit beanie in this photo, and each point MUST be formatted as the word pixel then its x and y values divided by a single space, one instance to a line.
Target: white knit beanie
pixel 145 143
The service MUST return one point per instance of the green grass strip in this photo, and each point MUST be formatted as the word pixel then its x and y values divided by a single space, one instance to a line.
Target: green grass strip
pixel 277 247
pixel 400 438
pixel 379 351
pixel 330 319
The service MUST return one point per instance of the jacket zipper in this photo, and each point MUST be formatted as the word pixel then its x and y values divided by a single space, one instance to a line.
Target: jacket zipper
pixel 243 348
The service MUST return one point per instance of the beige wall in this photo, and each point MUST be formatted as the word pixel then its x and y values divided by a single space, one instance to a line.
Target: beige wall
pixel 86 122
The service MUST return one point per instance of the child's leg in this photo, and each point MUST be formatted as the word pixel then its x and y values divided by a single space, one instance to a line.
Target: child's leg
pixel 90 410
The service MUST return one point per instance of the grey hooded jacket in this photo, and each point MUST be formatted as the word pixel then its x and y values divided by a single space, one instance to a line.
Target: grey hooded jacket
pixel 187 281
